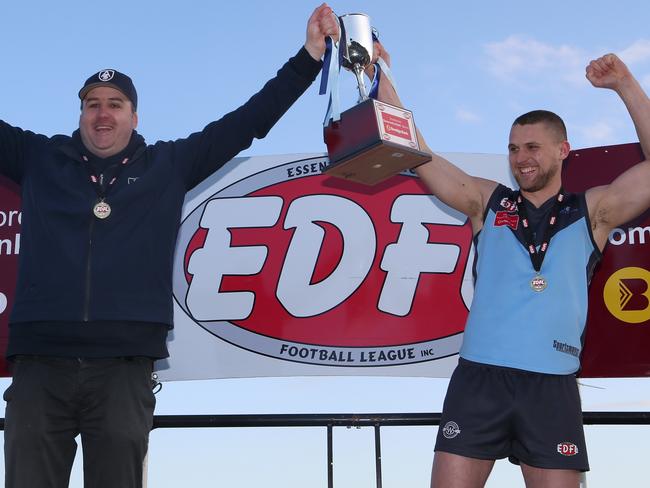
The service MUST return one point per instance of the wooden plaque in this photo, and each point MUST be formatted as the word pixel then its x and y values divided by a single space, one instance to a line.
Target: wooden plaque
pixel 372 142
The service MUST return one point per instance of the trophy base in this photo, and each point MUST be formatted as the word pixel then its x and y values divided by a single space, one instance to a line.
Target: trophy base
pixel 372 142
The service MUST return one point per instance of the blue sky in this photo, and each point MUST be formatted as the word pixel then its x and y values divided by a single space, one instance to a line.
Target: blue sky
pixel 466 69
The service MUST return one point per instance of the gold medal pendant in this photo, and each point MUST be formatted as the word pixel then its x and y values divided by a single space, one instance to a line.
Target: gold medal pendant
pixel 538 283
pixel 102 210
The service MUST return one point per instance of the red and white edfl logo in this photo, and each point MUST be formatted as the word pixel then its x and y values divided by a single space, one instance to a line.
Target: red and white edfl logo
pixel 319 271
pixel 567 449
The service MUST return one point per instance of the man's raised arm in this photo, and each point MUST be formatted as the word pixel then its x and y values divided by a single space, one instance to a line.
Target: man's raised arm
pixel 454 187
pixel 629 194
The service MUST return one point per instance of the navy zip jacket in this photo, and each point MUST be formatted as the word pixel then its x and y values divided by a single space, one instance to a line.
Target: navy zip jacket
pixel 76 268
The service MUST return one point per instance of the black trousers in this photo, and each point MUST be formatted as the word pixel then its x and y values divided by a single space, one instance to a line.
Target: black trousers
pixel 52 400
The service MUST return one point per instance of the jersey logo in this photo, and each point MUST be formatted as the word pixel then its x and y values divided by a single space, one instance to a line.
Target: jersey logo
pixel 503 218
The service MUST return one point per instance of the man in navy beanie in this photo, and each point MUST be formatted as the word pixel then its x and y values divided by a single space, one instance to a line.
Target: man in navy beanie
pixel 93 306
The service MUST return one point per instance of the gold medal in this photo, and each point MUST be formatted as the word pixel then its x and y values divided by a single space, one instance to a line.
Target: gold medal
pixel 538 283
pixel 102 210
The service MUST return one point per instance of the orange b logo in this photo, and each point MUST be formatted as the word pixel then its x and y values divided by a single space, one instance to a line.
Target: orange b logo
pixel 627 295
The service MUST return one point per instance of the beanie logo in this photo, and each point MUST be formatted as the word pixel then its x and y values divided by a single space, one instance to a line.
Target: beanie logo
pixel 106 75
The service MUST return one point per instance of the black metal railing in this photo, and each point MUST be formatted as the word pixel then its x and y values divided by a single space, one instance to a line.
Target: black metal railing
pixel 375 420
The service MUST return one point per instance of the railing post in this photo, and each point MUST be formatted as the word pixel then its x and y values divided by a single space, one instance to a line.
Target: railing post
pixel 378 455
pixel 330 457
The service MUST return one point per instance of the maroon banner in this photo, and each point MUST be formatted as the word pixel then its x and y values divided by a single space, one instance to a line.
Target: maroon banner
pixel 9 247
pixel 618 324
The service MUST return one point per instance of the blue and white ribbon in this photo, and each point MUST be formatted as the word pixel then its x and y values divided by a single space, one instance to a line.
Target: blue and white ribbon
pixel 329 84
pixel 380 65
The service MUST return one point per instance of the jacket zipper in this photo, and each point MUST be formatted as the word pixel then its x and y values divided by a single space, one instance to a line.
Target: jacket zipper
pixel 86 308
pixel 86 311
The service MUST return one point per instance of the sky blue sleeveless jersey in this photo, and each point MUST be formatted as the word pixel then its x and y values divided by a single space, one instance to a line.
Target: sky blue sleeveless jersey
pixel 509 323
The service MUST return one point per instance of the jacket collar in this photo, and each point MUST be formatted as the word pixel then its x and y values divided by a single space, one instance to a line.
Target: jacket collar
pixel 76 149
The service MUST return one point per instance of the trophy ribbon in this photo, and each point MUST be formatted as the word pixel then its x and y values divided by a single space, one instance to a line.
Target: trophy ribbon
pixel 380 66
pixel 330 80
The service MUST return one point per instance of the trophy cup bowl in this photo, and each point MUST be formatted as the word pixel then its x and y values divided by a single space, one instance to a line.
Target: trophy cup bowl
pixel 358 57
pixel 358 47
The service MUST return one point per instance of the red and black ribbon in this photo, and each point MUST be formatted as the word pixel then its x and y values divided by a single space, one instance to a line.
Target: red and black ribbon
pixel 537 255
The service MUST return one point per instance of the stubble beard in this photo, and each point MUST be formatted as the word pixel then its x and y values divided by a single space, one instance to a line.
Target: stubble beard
pixel 541 182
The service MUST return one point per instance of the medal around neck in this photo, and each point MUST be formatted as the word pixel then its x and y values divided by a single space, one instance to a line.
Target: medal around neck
pixel 538 283
pixel 102 210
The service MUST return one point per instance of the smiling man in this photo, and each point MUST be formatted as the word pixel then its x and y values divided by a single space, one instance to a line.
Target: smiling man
pixel 514 392
pixel 109 105
pixel 93 307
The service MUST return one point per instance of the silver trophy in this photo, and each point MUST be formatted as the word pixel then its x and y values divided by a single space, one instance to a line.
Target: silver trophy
pixel 373 140
pixel 356 45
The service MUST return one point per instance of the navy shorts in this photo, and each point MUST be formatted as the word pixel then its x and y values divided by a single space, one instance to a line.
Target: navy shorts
pixel 492 412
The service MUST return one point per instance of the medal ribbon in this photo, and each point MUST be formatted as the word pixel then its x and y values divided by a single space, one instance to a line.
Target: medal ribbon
pixel 95 180
pixel 537 256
